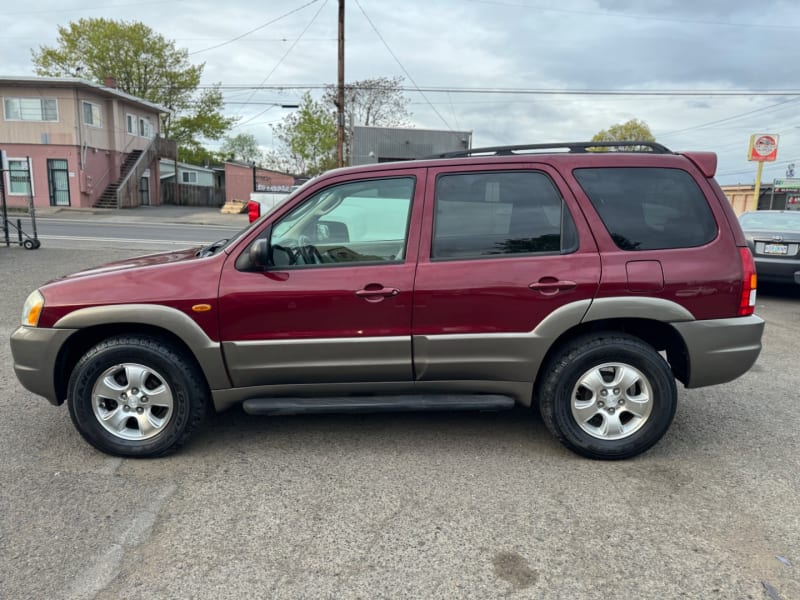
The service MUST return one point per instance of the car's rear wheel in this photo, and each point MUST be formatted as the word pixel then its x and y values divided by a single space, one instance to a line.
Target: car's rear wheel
pixel 136 396
pixel 608 396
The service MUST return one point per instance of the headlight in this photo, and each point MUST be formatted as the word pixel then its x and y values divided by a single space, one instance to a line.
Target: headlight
pixel 32 309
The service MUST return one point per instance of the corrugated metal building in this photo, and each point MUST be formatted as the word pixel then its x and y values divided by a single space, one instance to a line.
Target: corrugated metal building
pixel 386 144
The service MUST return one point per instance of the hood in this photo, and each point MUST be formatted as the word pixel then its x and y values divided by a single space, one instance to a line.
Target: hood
pixel 149 260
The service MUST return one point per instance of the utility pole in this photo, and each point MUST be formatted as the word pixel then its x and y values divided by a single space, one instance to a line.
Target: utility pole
pixel 340 92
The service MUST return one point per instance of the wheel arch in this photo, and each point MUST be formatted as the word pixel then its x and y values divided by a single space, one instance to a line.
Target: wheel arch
pixel 658 334
pixel 98 323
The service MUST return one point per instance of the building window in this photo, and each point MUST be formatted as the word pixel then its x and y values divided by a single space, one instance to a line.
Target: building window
pixel 145 128
pixel 189 177
pixel 130 121
pixel 31 109
pixel 19 178
pixel 91 114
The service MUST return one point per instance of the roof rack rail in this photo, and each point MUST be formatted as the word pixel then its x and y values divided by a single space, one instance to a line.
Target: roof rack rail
pixel 634 145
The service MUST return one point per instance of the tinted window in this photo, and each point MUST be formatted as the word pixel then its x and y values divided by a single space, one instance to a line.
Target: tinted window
pixel 500 213
pixel 649 209
pixel 359 222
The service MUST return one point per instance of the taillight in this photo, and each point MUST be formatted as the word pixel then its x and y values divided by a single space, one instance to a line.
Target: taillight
pixel 747 302
pixel 253 210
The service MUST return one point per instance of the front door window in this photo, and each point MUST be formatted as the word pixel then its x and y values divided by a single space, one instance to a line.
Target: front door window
pixel 361 222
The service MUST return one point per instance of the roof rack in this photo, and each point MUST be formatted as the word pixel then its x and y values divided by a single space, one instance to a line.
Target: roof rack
pixel 634 145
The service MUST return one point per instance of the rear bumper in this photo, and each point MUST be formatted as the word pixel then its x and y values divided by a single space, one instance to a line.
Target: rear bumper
pixel 34 351
pixel 720 350
pixel 779 270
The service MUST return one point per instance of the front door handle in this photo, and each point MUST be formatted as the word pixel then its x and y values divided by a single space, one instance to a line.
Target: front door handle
pixel 375 292
pixel 549 286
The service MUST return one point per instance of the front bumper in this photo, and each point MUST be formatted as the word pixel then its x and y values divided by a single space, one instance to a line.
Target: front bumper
pixel 720 350
pixel 35 351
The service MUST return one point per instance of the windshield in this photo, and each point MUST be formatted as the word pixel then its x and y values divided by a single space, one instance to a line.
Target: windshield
pixel 773 221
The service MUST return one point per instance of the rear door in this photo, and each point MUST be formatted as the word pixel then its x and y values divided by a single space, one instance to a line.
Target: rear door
pixel 503 248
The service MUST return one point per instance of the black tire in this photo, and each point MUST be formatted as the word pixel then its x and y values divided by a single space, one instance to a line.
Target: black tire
pixel 37 244
pixel 604 436
pixel 159 415
pixel 29 245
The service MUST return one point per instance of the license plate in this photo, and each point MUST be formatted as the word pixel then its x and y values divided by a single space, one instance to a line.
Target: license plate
pixel 776 249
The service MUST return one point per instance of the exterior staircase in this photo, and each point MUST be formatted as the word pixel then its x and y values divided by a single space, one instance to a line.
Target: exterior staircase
pixel 108 199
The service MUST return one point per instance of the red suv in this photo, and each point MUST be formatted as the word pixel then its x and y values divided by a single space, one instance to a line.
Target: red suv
pixel 583 282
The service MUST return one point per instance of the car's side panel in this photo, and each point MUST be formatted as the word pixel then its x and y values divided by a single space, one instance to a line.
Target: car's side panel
pixel 706 280
pixel 206 350
pixel 493 356
pixel 326 360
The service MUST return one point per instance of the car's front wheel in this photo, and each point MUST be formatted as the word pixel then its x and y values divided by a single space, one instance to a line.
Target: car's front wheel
pixel 608 396
pixel 136 396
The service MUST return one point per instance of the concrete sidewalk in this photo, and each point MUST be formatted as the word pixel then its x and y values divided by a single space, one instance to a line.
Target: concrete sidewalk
pixel 196 215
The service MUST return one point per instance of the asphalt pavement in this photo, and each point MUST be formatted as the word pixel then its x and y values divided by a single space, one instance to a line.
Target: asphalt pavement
pixel 451 505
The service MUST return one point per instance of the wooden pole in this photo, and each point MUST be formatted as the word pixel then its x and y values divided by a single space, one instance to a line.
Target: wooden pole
pixel 340 92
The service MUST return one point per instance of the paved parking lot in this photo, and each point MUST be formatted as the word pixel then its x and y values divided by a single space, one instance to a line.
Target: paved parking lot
pixel 404 506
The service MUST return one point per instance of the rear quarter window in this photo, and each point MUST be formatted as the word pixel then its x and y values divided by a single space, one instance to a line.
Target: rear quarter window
pixel 649 208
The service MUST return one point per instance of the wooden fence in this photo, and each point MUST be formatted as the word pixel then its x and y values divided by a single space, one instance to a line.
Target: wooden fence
pixel 192 195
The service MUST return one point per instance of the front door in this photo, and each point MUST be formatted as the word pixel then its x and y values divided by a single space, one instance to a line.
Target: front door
pixel 144 191
pixel 334 306
pixel 503 248
pixel 58 181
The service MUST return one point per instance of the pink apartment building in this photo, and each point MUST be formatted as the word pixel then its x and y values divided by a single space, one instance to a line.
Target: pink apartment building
pixel 74 143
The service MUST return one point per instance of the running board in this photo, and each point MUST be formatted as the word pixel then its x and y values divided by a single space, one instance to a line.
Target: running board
pixel 369 404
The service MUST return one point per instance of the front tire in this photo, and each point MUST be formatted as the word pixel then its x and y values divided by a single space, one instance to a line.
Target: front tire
pixel 608 396
pixel 136 396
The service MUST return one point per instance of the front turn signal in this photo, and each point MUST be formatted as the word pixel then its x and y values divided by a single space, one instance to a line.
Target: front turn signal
pixel 32 309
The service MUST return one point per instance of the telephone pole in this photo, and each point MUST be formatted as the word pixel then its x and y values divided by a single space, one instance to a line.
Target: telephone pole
pixel 340 92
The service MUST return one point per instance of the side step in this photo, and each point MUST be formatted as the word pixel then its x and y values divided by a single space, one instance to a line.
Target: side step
pixel 369 404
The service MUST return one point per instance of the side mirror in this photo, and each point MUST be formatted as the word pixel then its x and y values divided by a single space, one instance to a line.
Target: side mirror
pixel 259 254
pixel 332 232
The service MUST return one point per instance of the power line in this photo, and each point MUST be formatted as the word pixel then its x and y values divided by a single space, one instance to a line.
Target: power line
pixel 731 118
pixel 397 60
pixel 529 91
pixel 246 33
pixel 278 64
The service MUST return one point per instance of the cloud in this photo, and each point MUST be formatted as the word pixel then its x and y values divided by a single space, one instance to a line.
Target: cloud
pixel 521 44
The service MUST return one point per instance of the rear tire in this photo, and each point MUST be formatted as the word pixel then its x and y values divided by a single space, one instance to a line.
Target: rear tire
pixel 136 396
pixel 608 396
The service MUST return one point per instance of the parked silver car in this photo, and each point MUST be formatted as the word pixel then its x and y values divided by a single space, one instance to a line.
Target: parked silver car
pixel 774 240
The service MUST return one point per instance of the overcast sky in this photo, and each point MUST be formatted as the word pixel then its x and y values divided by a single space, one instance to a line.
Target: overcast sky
pixel 526 45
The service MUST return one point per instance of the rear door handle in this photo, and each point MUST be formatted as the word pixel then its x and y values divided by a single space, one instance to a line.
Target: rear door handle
pixel 549 286
pixel 376 292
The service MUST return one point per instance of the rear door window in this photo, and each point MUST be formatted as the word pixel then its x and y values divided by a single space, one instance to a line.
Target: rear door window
pixel 500 214
pixel 649 208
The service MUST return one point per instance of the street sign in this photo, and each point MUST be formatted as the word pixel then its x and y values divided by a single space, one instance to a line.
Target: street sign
pixel 763 147
pixel 782 185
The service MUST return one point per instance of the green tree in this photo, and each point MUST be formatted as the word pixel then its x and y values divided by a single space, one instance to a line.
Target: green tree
pixel 308 139
pixel 374 102
pixel 243 147
pixel 630 131
pixel 144 64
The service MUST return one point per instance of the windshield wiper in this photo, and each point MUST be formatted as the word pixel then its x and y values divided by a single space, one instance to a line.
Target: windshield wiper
pixel 212 248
